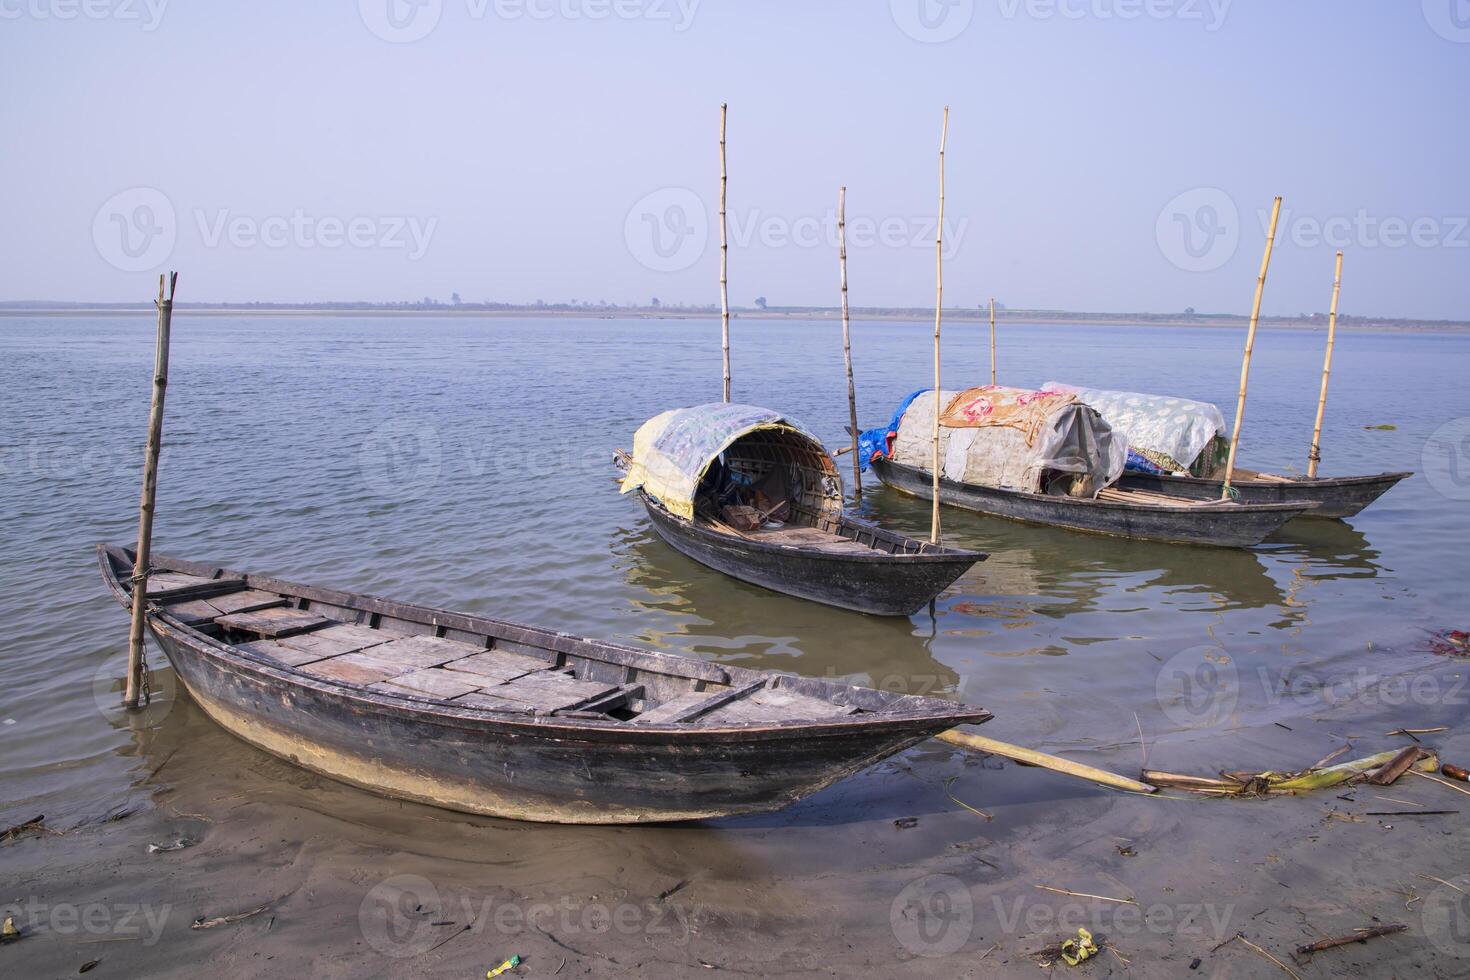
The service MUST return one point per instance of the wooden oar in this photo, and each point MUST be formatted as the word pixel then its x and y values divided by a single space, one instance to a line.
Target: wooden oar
pixel 979 743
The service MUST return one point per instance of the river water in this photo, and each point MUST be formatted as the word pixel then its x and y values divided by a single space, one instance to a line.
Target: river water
pixel 466 464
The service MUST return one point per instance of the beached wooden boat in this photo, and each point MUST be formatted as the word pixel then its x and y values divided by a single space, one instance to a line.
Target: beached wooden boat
pixel 1325 497
pixel 1118 511
pixel 484 716
pixel 686 460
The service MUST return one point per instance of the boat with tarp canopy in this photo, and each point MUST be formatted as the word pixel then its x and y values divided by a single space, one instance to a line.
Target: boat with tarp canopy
pixel 1177 448
pixel 752 493
pixel 1045 457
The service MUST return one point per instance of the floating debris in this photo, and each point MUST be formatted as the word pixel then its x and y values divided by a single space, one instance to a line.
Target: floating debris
pixel 203 923
pixel 173 845
pixel 1356 936
pixel 1380 769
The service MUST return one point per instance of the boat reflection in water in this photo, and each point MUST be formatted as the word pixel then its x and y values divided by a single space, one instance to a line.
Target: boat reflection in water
pixel 692 609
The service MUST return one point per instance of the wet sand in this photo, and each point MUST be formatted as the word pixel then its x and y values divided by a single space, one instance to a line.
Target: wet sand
pixel 360 886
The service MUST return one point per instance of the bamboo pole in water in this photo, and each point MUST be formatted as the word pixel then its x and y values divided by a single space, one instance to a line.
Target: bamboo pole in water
pixel 992 341
pixel 857 464
pixel 938 308
pixel 1016 753
pixel 724 263
pixel 1315 456
pixel 137 684
pixel 1250 342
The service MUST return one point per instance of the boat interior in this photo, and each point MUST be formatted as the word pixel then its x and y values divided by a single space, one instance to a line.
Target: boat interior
pixel 780 487
pixel 451 660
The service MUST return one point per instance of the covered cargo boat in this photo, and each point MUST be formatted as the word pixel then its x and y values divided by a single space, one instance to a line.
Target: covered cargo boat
pixel 753 494
pixel 1177 449
pixel 1046 457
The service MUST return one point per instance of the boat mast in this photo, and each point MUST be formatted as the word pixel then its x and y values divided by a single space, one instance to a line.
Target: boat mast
pixel 724 263
pixel 1315 456
pixel 857 466
pixel 938 307
pixel 1250 342
pixel 137 685
pixel 992 341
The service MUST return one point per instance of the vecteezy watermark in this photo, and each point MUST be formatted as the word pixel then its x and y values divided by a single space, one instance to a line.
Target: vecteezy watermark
pixel 1198 687
pixel 109 684
pixel 1198 230
pixel 1210 14
pixel 116 920
pixel 1446 459
pixel 668 230
pixel 401 916
pixel 1364 229
pixel 406 21
pixel 933 916
pixel 1195 922
pixel 396 916
pixel 137 229
pixel 147 13
pixel 932 21
pixel 1305 689
pixel 407 458
pixel 401 458
pixel 1450 19
pixel 1445 917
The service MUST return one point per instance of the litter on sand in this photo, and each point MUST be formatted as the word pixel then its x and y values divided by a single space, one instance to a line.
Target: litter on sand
pixel 504 967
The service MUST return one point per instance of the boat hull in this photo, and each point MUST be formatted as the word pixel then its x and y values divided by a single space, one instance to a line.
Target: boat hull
pixel 1329 497
pixel 878 584
pixel 1236 526
pixel 509 769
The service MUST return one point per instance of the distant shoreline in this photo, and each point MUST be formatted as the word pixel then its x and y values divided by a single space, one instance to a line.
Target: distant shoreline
pixel 480 311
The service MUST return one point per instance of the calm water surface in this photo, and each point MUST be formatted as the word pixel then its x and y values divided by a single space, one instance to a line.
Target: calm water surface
pixel 466 464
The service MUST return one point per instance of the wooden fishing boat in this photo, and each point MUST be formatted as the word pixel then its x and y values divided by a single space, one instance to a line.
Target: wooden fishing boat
pixel 846 562
pixel 484 716
pixel 685 460
pixel 1325 497
pixel 1119 511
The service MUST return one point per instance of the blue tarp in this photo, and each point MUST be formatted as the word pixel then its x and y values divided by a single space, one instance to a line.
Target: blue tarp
pixel 874 442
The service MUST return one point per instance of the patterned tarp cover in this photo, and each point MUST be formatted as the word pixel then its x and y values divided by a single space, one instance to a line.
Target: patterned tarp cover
pixel 1176 429
pixel 671 451
pixel 1073 439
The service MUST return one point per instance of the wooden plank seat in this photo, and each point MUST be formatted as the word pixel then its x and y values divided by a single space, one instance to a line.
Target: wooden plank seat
pixel 275 622
pixel 196 611
pixel 330 641
pixel 497 666
pixel 161 583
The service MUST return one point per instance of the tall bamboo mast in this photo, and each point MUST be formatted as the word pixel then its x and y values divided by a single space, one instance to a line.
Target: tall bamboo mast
pixel 857 464
pixel 1315 456
pixel 992 341
pixel 724 263
pixel 1250 342
pixel 137 684
pixel 938 308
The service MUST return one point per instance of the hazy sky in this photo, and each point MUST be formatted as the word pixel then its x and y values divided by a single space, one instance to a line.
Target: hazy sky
pixel 1111 155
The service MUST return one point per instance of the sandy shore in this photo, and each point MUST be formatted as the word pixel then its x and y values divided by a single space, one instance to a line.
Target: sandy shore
pixel 358 886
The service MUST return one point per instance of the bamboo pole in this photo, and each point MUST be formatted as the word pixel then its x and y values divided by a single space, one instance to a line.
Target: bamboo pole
pixel 857 463
pixel 992 341
pixel 724 263
pixel 1315 456
pixel 137 684
pixel 1031 757
pixel 1250 342
pixel 938 308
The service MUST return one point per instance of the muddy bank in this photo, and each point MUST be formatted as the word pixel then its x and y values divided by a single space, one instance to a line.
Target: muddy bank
pixel 358 886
